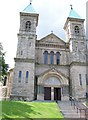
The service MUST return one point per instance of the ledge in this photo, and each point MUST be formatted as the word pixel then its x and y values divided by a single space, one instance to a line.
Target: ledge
pixel 24 60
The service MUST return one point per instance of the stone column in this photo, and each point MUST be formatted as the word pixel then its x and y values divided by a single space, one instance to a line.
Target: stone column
pixel 48 58
pixel 52 93
pixel 55 59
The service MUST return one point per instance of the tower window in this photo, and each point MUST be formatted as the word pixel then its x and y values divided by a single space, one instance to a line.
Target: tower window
pixel 57 58
pixel 80 79
pixel 45 57
pixel 28 25
pixel 27 74
pixel 21 52
pixel 20 76
pixel 51 57
pixel 86 79
pixel 76 29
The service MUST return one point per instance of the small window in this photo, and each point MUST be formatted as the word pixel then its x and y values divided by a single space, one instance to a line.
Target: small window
pixel 80 79
pixel 21 52
pixel 20 76
pixel 27 74
pixel 5 81
pixel 86 79
pixel 28 25
pixel 45 57
pixel 57 58
pixel 51 57
pixel 76 29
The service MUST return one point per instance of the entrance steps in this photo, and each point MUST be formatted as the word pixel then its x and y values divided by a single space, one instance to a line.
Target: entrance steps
pixel 68 111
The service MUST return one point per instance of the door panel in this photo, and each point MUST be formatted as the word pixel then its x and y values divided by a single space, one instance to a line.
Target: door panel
pixel 57 93
pixel 47 93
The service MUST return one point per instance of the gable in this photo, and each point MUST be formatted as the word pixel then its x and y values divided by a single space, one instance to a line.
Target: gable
pixel 52 39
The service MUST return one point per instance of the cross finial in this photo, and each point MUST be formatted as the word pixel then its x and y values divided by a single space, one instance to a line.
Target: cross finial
pixel 30 1
pixel 51 31
pixel 71 7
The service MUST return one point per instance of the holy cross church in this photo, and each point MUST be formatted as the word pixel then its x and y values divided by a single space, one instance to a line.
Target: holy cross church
pixel 49 68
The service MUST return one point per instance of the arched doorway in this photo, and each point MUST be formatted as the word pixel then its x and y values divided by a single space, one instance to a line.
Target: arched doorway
pixel 48 93
pixel 52 88
pixel 51 85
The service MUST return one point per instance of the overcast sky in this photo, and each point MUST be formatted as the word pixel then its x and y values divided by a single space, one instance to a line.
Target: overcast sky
pixel 52 16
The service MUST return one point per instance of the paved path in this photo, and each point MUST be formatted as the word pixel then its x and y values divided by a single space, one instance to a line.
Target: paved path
pixel 67 110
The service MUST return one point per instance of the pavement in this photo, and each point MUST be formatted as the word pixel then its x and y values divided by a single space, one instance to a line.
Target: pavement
pixel 67 110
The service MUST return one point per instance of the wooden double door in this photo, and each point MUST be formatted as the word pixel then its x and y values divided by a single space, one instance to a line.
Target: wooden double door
pixel 47 93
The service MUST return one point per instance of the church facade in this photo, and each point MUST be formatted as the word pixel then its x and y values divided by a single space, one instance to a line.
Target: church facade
pixel 49 68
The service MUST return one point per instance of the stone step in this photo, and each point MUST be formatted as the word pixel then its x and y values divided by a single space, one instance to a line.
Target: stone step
pixel 67 110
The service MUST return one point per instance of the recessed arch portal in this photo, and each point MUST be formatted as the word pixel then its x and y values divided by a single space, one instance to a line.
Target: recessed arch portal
pixel 63 80
pixel 52 81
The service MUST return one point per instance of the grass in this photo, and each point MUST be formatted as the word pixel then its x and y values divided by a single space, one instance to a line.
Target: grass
pixel 19 109
pixel 87 103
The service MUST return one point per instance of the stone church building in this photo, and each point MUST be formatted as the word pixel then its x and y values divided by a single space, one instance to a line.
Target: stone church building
pixel 49 68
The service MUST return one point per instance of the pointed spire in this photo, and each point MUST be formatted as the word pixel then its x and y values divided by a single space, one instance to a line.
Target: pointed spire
pixel 73 14
pixel 29 8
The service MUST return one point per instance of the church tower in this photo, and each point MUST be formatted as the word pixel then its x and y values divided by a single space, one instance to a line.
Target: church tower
pixel 75 36
pixel 24 71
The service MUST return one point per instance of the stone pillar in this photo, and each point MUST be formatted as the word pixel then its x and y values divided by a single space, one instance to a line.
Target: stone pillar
pixel 55 59
pixel 52 93
pixel 48 58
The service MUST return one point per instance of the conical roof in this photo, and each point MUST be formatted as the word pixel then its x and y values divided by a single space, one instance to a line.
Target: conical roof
pixel 74 14
pixel 29 9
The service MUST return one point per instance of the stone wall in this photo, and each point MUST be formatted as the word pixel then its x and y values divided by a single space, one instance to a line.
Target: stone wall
pixel 23 88
pixel 78 90
pixel 39 69
pixel 64 60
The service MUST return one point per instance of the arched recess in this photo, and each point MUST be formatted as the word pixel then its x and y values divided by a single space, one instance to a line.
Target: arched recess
pixel 62 79
pixel 52 84
pixel 52 81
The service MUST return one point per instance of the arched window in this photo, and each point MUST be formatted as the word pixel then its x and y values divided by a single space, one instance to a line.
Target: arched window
pixel 57 58
pixel 5 81
pixel 28 25
pixel 80 79
pixel 20 76
pixel 45 57
pixel 27 74
pixel 51 57
pixel 76 29
pixel 21 52
pixel 86 79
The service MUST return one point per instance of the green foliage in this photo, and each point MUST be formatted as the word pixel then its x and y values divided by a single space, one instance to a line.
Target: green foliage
pixel 3 66
pixel 87 103
pixel 19 109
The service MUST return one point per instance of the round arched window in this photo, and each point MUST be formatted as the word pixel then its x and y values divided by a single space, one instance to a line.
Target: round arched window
pixel 28 25
pixel 76 29
pixel 45 57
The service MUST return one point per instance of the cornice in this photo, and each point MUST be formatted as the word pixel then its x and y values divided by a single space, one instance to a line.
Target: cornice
pixel 78 64
pixel 24 60
pixel 52 45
